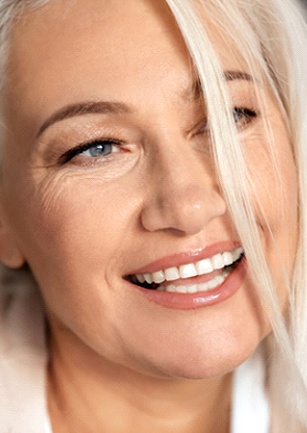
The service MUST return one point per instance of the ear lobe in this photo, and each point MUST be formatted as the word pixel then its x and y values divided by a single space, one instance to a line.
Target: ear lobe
pixel 10 254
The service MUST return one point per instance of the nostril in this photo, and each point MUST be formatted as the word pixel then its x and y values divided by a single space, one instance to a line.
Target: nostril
pixel 181 215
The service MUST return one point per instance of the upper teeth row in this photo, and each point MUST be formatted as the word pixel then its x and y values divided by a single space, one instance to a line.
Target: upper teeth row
pixel 192 269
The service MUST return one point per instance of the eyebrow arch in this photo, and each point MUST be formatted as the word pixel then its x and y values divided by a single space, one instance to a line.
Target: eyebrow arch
pixel 237 75
pixel 81 108
pixel 229 75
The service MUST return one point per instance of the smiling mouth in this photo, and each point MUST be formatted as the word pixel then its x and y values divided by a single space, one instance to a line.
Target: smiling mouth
pixel 199 276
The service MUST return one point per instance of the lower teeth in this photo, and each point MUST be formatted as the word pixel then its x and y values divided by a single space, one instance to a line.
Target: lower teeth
pixel 194 288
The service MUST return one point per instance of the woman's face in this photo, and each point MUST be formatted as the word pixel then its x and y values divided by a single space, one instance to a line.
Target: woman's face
pixel 108 173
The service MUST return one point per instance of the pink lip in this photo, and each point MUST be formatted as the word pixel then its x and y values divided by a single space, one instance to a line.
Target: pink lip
pixel 178 301
pixel 187 257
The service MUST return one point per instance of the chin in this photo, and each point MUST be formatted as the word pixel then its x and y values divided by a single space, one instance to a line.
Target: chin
pixel 206 362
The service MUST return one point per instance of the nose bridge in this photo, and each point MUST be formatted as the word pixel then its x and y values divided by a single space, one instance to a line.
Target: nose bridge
pixel 183 193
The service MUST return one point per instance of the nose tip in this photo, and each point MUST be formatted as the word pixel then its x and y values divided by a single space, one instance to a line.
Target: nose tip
pixel 186 208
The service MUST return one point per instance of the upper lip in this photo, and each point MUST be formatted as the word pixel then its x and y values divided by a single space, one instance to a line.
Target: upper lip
pixel 179 259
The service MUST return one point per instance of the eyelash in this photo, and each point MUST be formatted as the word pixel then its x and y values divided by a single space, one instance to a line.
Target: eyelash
pixel 246 114
pixel 239 113
pixel 103 143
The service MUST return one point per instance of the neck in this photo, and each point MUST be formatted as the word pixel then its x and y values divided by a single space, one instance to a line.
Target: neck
pixel 89 393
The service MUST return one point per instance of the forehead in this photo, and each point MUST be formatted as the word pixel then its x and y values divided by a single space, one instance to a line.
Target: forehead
pixel 85 32
pixel 88 49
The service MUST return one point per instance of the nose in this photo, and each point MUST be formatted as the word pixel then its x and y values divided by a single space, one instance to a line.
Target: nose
pixel 182 194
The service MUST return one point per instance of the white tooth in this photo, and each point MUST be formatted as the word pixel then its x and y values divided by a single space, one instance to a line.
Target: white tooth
pixel 171 288
pixel 171 274
pixel 217 261
pixel 235 256
pixel 203 287
pixel 181 289
pixel 192 289
pixel 188 271
pixel 237 253
pixel 212 284
pixel 219 279
pixel 204 267
pixel 148 278
pixel 227 258
pixel 158 277
pixel 140 278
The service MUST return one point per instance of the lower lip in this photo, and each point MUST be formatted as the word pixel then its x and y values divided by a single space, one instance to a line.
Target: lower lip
pixel 192 301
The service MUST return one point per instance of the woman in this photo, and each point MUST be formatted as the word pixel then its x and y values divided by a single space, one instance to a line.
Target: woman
pixel 152 191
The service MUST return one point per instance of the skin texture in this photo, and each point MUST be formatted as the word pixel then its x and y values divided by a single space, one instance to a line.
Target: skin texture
pixel 83 225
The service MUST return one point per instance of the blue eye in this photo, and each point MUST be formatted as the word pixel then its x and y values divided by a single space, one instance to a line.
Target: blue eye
pixel 98 149
pixel 243 116
pixel 95 149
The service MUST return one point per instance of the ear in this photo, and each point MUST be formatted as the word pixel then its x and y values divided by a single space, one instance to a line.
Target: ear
pixel 10 254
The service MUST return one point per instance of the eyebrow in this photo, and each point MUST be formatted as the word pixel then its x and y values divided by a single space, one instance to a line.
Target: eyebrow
pixel 237 75
pixel 81 108
pixel 113 107
pixel 196 89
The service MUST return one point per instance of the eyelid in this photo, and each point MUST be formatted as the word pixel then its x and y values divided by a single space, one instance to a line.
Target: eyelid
pixel 249 115
pixel 75 151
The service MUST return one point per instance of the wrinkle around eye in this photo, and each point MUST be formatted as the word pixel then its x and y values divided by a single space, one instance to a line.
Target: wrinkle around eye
pixel 54 190
pixel 73 175
pixel 50 190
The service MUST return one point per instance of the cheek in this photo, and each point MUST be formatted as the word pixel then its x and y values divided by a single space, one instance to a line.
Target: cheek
pixel 274 187
pixel 73 221
pixel 75 233
pixel 272 179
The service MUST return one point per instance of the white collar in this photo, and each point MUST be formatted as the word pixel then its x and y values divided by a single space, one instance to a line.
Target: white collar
pixel 250 408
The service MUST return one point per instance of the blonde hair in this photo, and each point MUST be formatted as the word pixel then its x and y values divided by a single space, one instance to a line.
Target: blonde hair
pixel 271 37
